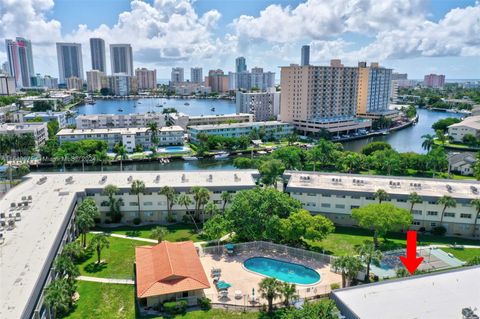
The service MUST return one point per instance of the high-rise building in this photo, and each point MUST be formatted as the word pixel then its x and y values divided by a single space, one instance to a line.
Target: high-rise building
pixel 240 64
pixel 121 58
pixel 94 80
pixel 122 84
pixel 5 68
pixel 196 75
pixel 177 75
pixel 147 79
pixel 7 85
pixel 436 81
pixel 255 79
pixel 97 52
pixel 305 58
pixel 50 82
pixel 70 63
pixel 399 76
pixel 217 80
pixel 374 89
pixel 264 106
pixel 75 83
pixel 20 61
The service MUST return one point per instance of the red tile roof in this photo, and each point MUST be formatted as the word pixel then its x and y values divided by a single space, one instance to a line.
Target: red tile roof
pixel 168 268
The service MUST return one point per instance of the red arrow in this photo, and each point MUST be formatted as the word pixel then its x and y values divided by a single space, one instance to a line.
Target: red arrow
pixel 411 262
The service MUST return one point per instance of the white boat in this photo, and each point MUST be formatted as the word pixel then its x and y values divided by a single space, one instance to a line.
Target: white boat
pixel 189 158
pixel 221 155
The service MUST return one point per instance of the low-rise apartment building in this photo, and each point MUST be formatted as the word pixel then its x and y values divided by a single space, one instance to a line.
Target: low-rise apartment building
pixel 335 195
pixel 185 120
pixel 271 130
pixel 38 130
pixel 131 138
pixel 60 117
pixel 470 125
pixel 96 121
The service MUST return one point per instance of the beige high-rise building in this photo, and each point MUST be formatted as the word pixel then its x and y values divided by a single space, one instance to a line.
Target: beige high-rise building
pixel 217 81
pixel 94 80
pixel 74 83
pixel 147 79
pixel 374 89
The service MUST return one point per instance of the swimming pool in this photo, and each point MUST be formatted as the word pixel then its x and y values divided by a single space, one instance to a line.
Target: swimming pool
pixel 282 270
pixel 174 149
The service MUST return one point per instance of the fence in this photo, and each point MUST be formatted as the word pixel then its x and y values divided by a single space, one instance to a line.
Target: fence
pixel 271 248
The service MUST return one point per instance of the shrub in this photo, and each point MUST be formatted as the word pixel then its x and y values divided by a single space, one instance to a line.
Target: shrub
pixel 137 221
pixel 422 229
pixel 175 307
pixel 204 303
pixel 171 219
pixel 439 231
pixel 334 286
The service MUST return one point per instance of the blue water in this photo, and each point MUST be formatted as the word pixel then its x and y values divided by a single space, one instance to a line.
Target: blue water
pixel 195 107
pixel 282 270
pixel 174 149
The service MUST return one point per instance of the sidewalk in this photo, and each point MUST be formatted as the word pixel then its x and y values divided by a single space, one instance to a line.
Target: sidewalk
pixel 107 280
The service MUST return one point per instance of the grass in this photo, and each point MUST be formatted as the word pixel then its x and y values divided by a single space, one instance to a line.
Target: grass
pixel 118 259
pixel 99 300
pixel 344 239
pixel 178 232
pixel 463 254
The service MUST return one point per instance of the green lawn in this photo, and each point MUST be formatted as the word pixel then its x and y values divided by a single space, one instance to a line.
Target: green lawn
pixel 178 232
pixel 463 254
pixel 110 301
pixel 344 240
pixel 118 259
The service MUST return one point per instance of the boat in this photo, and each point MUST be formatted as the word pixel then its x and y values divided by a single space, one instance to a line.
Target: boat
pixel 221 155
pixel 385 132
pixel 120 110
pixel 186 103
pixel 212 109
pixel 190 158
pixel 91 102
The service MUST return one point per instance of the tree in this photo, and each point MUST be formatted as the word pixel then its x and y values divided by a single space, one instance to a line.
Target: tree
pixel 215 228
pixel 381 195
pixel 291 156
pixel 443 124
pixel 99 242
pixel 226 198
pixel 170 194
pixel 440 135
pixel 369 254
pixel 382 218
pixel 348 266
pixel 470 140
pixel 270 171
pixel 58 297
pixel 371 148
pixel 289 293
pixel 201 195
pixel 475 203
pixel 85 217
pixel 446 201
pixel 138 187
pixel 74 251
pixel 211 209
pixel 414 198
pixel 159 233
pixel 269 289
pixel 152 127
pixel 474 261
pixel 351 162
pixel 102 158
pixel 53 128
pixel 114 204
pixel 302 225
pixel 428 142
pixel 324 309
pixel 322 152
pixel 251 211
pixel 120 152
pixel 185 200
pixel 65 267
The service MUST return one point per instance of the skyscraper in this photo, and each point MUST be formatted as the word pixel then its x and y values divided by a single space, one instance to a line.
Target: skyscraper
pixel 374 89
pixel 436 81
pixel 240 64
pixel 97 51
pixel 196 75
pixel 177 75
pixel 94 80
pixel 70 63
pixel 20 61
pixel 147 79
pixel 121 58
pixel 305 55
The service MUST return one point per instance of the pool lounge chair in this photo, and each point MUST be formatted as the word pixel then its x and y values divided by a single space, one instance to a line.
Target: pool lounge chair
pixel 229 248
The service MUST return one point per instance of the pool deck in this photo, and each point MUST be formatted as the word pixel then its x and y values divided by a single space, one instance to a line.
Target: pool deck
pixel 244 280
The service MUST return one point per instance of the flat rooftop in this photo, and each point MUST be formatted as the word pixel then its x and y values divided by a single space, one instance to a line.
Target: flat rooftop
pixel 25 251
pixel 437 295
pixel 467 189
pixel 116 130
pixel 236 125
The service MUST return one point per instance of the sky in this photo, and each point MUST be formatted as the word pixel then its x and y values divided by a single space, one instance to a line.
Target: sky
pixel 413 36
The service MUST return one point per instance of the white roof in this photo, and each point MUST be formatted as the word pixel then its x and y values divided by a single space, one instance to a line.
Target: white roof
pixel 27 246
pixel 438 295
pixel 237 125
pixel 471 121
pixel 117 130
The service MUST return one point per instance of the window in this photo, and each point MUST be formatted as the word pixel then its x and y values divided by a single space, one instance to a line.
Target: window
pixel 133 204
pixel 325 205
pixel 104 204
pixel 148 214
pixel 311 204
pixel 433 224
pixel 370 198
pixel 355 197
pixel 416 223
pixel 466 216
pixel 147 193
pixel 217 192
pixel 311 194
pixel 147 203
pixel 432 213
pixel 90 194
pixel 327 195
pixel 416 212
pixel 432 202
pixel 401 200
pixel 339 206
pixel 216 201
pixel 354 206
pixel 452 215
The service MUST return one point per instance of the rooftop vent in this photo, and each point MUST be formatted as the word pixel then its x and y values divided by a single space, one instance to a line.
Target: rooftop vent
pixel 336 180
pixel 474 189
pixel 157 179
pixel 449 188
pixel 130 179
pixel 42 180
pixel 184 178
pixel 236 178
pixel 69 180
pixel 210 178
pixel 104 179
pixel 305 178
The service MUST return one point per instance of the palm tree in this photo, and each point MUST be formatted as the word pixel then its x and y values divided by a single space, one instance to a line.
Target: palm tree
pixel 84 222
pixel 211 209
pixel 99 242
pixel 185 200
pixel 446 201
pixel 381 195
pixel 102 158
pixel 73 250
pixel 414 198
pixel 159 233
pixel 65 267
pixel 349 266
pixel 428 142
pixel 476 204
pixel 120 152
pixel 289 292
pixel 57 297
pixel 227 198
pixel 269 289
pixel 152 127
pixel 201 195
pixel 138 187
pixel 170 194
pixel 369 254
pixel 113 203
pixel 440 135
